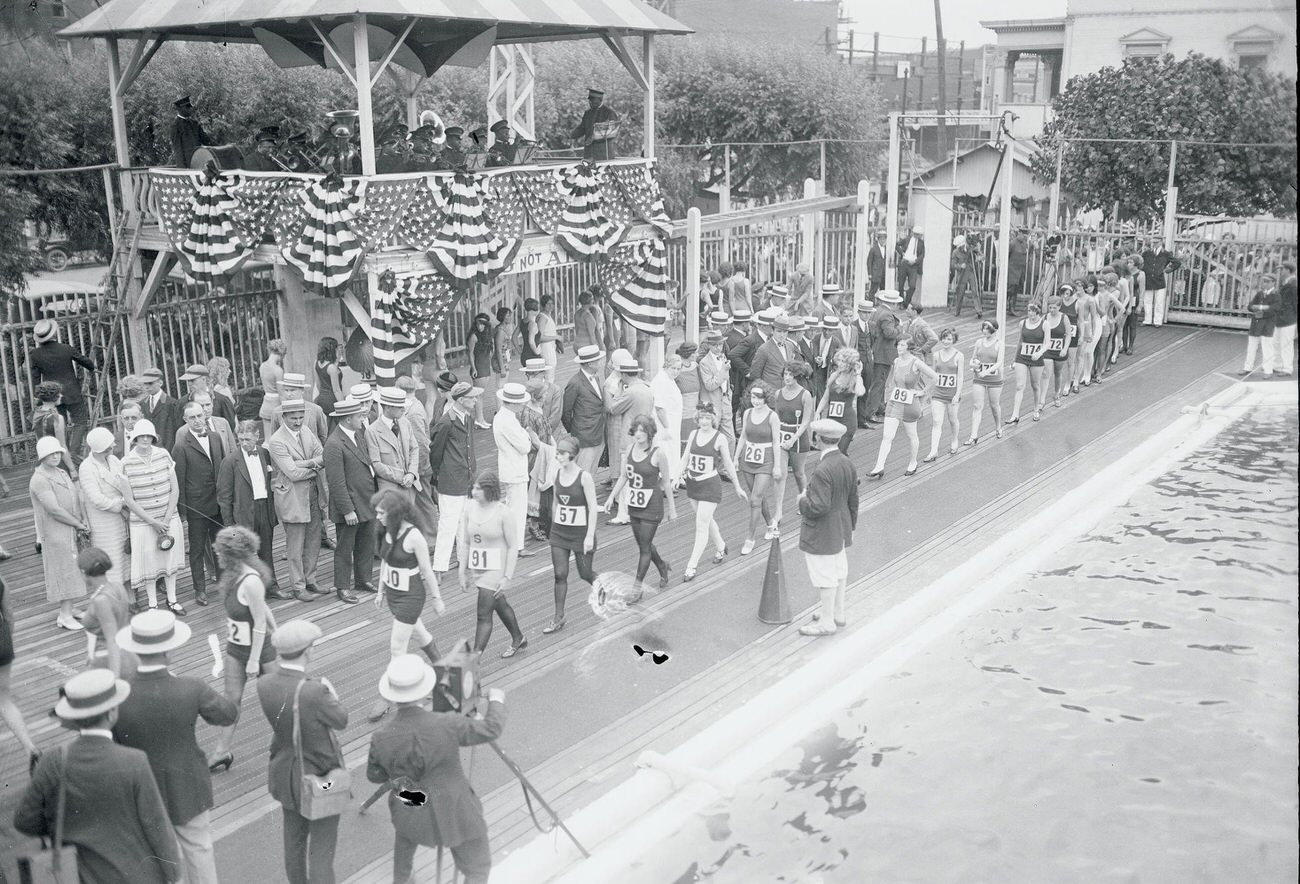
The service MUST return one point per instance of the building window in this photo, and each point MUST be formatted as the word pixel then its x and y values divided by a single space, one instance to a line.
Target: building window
pixel 1143 50
pixel 57 9
pixel 1253 56
pixel 1146 43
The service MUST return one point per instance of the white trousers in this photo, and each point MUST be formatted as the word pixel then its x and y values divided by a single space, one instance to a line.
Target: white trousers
pixel 1259 345
pixel 515 496
pixel 198 859
pixel 1284 348
pixel 450 508
pixel 1154 304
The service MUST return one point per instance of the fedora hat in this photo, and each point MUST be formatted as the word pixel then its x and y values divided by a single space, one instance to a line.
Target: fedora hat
pixel 889 296
pixel 47 445
pixel 91 693
pixel 589 353
pixel 408 679
pixel 345 407
pixel 143 427
pixel 294 379
pixel 515 394
pixel 153 632
pixel 532 366
pixel 44 330
pixel 393 397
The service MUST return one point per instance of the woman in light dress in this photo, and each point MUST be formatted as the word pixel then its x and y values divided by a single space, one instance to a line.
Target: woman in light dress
pixel 56 506
pixel 106 512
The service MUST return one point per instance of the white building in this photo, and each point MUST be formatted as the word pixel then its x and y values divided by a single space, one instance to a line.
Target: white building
pixel 1034 58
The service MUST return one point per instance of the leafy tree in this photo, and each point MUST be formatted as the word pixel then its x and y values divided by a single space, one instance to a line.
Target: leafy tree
pixel 1195 98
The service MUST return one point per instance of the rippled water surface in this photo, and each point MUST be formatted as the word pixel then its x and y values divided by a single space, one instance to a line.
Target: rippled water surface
pixel 1127 714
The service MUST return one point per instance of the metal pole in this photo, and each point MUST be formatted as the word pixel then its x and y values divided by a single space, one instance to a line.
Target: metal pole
pixel 821 146
pixel 906 76
pixel 891 202
pixel 693 270
pixel 1056 186
pixel 1004 243
pixel 850 47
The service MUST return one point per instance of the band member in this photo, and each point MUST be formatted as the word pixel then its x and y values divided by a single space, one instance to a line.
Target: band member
pixel 187 135
pixel 504 147
pixel 453 152
pixel 596 115
pixel 263 157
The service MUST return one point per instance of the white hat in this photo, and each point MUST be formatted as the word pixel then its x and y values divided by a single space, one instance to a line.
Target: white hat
pixel 589 353
pixel 44 330
pixel 293 379
pixel 47 445
pixel 294 404
pixel 958 241
pixel 361 393
pixel 91 693
pixel 889 296
pixel 917 229
pixel 143 427
pixel 408 679
pixel 515 394
pixel 394 397
pixel 153 632
pixel 100 439
pixel 629 366
pixel 831 288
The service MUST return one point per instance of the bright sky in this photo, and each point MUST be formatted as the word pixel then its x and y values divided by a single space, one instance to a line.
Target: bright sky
pixel 961 18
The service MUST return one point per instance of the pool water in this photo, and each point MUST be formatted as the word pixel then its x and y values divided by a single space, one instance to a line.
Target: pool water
pixel 1127 714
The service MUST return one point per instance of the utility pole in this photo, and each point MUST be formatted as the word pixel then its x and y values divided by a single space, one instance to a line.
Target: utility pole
pixel 942 98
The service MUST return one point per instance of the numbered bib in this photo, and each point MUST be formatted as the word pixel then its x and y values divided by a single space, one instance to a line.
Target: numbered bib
pixel 639 498
pixel 787 435
pixel 1058 343
pixel 700 465
pixel 947 382
pixel 902 396
pixel 1031 351
pixel 756 453
pixel 986 367
pixel 835 408
pixel 395 579
pixel 486 558
pixel 239 632
pixel 571 516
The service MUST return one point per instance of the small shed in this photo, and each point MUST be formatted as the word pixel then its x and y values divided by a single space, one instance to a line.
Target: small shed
pixel 971 175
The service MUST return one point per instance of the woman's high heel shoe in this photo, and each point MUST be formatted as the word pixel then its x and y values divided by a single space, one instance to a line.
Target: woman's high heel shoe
pixel 514 649
pixel 875 475
pixel 971 442
pixel 222 764
pixel 910 472
pixel 930 458
pixel 719 556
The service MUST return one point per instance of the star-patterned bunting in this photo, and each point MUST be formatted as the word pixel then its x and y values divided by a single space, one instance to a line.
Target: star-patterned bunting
pixel 327 251
pixel 585 232
pixel 213 247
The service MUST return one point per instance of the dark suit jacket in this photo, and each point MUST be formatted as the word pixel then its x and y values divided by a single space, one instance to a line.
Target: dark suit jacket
pixel 53 361
pixel 349 477
pixel 235 489
pixel 158 719
pixel 451 456
pixel 166 418
pixel 876 267
pixel 740 352
pixel 884 336
pixel 862 341
pixel 112 813
pixel 769 363
pixel 196 476
pixel 830 508
pixel 583 414
pixel 424 748
pixel 320 713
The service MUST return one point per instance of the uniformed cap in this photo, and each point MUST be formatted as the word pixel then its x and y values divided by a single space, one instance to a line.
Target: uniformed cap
pixel 268 133
pixel 183 101
pixel 595 93
pixel 499 125
pixel 453 131
pixel 295 637
pixel 828 429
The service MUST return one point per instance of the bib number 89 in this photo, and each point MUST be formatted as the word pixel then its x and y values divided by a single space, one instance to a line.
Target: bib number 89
pixel 901 396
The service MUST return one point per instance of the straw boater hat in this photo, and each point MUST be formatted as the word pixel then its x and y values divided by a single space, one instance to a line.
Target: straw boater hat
pixel 194 372
pixel 798 323
pixel 289 406
pixel 362 393
pixel 831 288
pixel 589 353
pixel 47 445
pixel 713 336
pixel 514 394
pixel 828 428
pixel 295 637
pixel 408 679
pixel 867 307
pixel 889 296
pixel 830 320
pixel 153 632
pixel 741 314
pixel 765 317
pixel 345 407
pixel 91 693
pixel 535 365
pixel 779 291
pixel 142 428
pixel 392 397
pixel 783 322
pixel 293 379
pixel 44 330
pixel 720 317
pixel 629 366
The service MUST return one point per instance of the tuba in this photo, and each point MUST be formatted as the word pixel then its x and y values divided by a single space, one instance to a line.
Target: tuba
pixel 434 122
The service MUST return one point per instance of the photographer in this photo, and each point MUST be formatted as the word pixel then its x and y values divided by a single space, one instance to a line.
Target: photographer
pixel 417 754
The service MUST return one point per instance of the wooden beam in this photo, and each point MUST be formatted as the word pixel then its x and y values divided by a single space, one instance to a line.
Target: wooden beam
pixel 359 313
pixel 332 51
pixel 392 50
pixel 648 109
pixel 141 55
pixel 120 142
pixel 361 54
pixel 615 44
pixel 161 267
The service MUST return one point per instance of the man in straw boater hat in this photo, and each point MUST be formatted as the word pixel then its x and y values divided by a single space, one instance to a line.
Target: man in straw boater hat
pixel 513 443
pixel 158 718
pixel 582 413
pixel 417 755
pixel 351 483
pixel 394 454
pixel 293 385
pixel 451 458
pixel 53 360
pixel 885 331
pixel 301 495
pixel 111 808
pixel 829 509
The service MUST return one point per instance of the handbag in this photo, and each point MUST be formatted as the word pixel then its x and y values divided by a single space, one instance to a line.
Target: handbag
pixel 58 864
pixel 319 797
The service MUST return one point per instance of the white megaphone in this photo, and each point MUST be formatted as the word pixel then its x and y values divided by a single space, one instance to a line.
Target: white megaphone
pixel 431 118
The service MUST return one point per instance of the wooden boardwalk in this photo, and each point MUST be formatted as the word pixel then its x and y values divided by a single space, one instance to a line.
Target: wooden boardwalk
pixel 355 652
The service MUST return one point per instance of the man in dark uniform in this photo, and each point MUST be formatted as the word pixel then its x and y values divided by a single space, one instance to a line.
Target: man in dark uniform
pixel 503 149
pixel 394 152
pixel 260 160
pixel 453 152
pixel 863 344
pixel 52 360
pixel 187 135
pixel 594 148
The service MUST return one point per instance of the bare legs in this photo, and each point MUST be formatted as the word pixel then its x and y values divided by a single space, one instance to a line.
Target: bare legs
pixel 887 442
pixel 1031 376
pixel 9 712
pixel 759 487
pixel 794 464
pixel 941 413
pixel 983 394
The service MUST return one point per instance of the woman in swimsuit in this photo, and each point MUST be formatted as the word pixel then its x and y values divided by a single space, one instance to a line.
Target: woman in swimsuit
pixel 986 369
pixel 573 526
pixel 1059 333
pixel 646 471
pixel 947 393
pixel 1070 307
pixel 760 429
pixel 843 387
pixel 490 539
pixel 1029 361
pixel 909 378
pixel 794 408
pixel 1090 327
pixel 706 448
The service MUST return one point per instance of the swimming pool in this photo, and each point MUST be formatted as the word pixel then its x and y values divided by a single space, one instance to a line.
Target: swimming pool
pixel 1126 714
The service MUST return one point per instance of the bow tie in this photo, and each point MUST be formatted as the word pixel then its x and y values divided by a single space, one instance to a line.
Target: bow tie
pixel 202 434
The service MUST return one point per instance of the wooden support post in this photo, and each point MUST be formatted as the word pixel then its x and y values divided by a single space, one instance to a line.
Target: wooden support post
pixel 861 243
pixel 821 152
pixel 693 271
pixel 724 200
pixel 891 203
pixel 808 237
pixel 1055 197
pixel 875 56
pixel 1171 198
pixel 648 109
pixel 361 56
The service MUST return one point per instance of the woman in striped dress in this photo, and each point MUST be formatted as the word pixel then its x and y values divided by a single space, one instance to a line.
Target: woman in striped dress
pixel 150 492
pixel 947 393
pixel 101 479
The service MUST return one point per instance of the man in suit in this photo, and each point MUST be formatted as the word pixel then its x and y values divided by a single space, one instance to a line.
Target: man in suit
pixel 739 349
pixel 829 509
pixel 113 813
pixel 862 342
pixel 394 454
pixel 294 386
pixel 593 147
pixel 829 342
pixel 773 354
pixel 351 483
pixel 160 409
pixel 884 340
pixel 583 411
pixel 308 844
pixel 53 360
pixel 198 460
pixel 244 495
pixel 909 254
pixel 1158 265
pixel 215 425
pixel 418 751
pixel 513 443
pixel 964 278
pixel 451 458
pixel 876 263
pixel 158 718
pixel 805 347
pixel 300 496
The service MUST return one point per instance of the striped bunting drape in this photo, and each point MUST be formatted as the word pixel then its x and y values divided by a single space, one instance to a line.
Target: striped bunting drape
pixel 173 193
pixel 213 248
pixel 406 313
pixel 326 251
pixel 585 231
pixel 639 189
pixel 637 278
pixel 466 248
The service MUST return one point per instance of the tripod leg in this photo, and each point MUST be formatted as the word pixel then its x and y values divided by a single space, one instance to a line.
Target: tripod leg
pixel 528 786
pixel 373 798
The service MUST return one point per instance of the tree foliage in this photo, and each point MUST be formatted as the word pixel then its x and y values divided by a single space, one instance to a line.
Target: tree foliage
pixel 1151 100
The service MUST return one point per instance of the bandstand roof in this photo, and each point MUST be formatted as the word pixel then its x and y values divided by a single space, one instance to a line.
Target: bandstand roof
pixel 516 21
